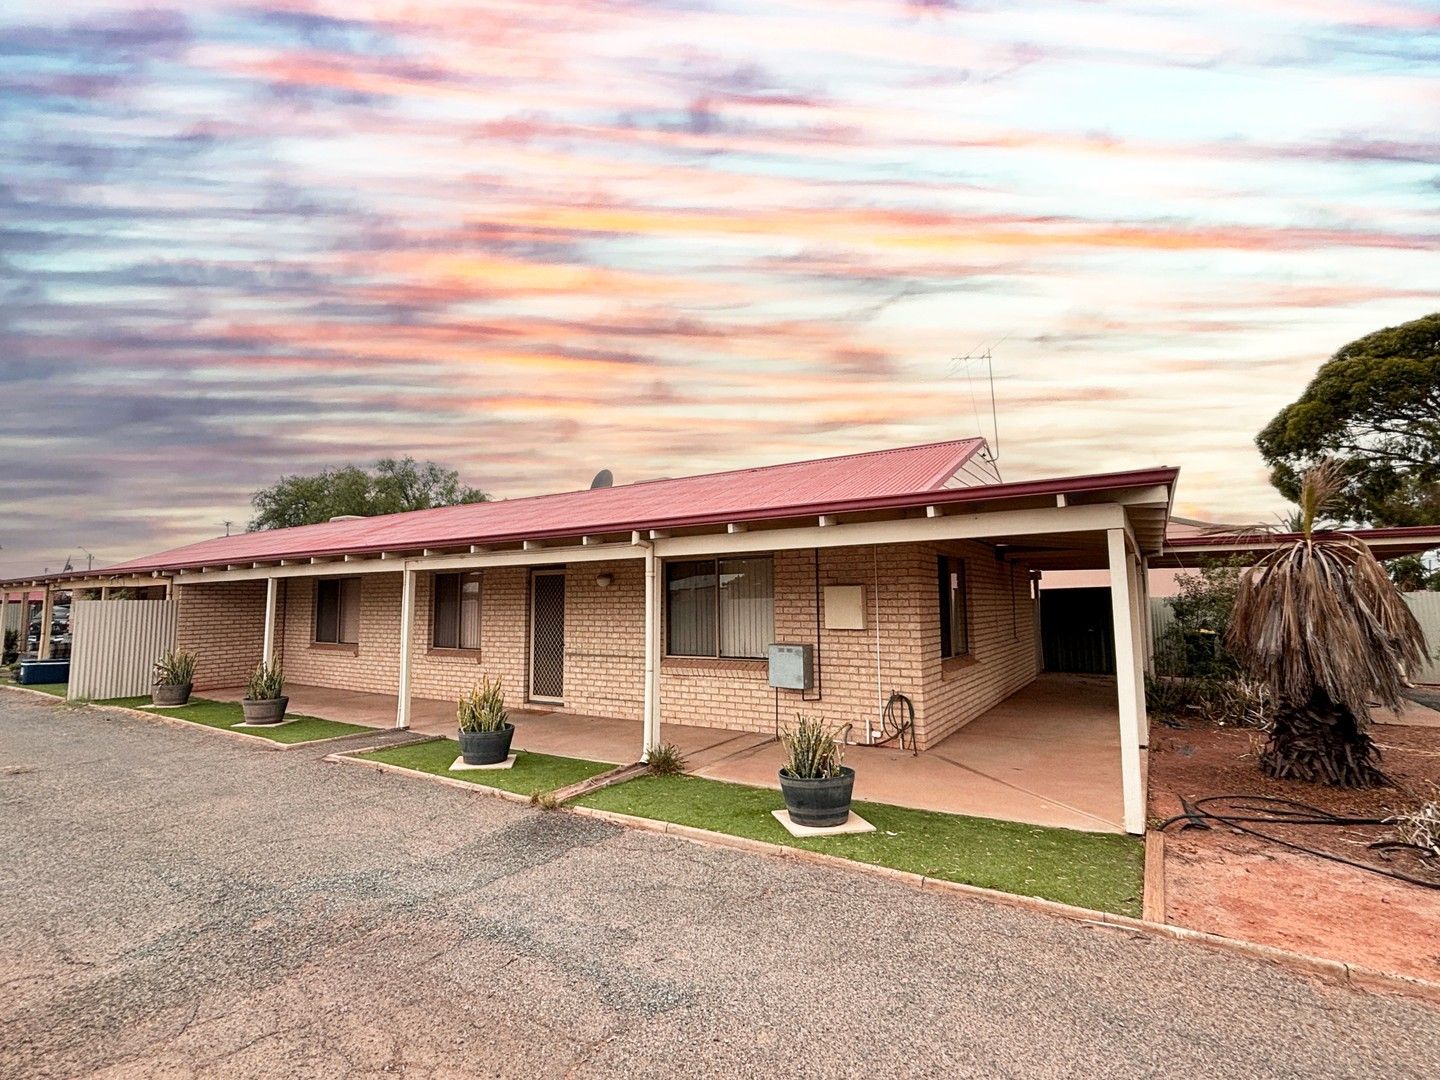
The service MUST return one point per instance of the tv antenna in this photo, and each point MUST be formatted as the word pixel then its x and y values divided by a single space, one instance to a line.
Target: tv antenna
pixel 227 525
pixel 967 364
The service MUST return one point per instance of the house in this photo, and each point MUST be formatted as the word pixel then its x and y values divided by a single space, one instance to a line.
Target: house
pixel 912 570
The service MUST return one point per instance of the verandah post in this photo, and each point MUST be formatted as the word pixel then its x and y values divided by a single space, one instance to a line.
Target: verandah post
pixel 1130 688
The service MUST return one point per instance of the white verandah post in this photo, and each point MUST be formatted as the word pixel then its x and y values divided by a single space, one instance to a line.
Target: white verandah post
pixel 267 652
pixel 651 725
pixel 1129 681
pixel 42 646
pixel 407 619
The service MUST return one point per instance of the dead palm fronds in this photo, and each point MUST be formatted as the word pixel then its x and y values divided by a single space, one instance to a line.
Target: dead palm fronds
pixel 1321 624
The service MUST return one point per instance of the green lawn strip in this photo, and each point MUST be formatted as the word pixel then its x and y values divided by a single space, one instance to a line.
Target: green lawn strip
pixel 226 714
pixel 532 774
pixel 1092 870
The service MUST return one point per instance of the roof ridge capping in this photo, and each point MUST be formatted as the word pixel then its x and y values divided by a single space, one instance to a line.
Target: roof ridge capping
pixel 966 448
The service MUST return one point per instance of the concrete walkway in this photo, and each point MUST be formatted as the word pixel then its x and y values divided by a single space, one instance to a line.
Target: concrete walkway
pixel 1049 755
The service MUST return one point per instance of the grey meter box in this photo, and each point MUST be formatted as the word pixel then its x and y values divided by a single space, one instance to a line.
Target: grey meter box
pixel 792 667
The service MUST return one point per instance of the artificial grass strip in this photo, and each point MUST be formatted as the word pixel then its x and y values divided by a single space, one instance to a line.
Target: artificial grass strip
pixel 532 774
pixel 1092 870
pixel 226 714
pixel 58 689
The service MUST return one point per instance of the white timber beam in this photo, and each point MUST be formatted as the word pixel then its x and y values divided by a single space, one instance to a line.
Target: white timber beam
pixel 934 511
pixel 459 561
pixel 407 622
pixel 1129 685
pixel 737 527
pixel 902 531
pixel 825 521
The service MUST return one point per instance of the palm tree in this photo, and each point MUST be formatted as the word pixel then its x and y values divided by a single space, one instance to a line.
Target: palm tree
pixel 1320 623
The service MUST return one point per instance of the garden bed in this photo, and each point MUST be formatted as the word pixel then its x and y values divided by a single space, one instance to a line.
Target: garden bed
pixel 1243 887
pixel 1090 870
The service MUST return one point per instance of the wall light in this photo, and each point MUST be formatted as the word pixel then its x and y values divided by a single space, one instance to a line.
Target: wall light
pixel 604 580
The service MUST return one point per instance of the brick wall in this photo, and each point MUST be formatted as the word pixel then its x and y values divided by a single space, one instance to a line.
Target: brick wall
pixel 899 649
pixel 223 624
pixel 1003 653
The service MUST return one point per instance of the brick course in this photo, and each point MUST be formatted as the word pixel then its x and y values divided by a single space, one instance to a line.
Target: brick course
pixel 899 649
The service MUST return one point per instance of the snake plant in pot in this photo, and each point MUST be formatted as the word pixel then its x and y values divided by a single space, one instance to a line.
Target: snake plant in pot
pixel 485 728
pixel 265 701
pixel 816 782
pixel 174 675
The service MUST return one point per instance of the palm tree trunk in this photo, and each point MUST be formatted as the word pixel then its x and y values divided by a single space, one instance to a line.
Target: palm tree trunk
pixel 1322 743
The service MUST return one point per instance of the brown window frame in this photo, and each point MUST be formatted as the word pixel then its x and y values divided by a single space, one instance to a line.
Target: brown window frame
pixel 954 586
pixel 460 579
pixel 342 586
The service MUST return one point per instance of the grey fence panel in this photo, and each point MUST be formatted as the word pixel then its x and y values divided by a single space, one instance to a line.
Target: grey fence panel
pixel 114 644
pixel 1426 607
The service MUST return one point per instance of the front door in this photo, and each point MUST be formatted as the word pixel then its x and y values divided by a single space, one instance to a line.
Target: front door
pixel 547 635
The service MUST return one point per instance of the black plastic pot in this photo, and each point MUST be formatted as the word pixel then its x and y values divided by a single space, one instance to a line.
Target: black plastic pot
pixel 819 804
pixel 170 694
pixel 265 711
pixel 486 747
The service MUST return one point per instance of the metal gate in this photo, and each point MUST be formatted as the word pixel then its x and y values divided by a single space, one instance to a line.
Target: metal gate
pixel 1076 630
pixel 114 646
pixel 547 635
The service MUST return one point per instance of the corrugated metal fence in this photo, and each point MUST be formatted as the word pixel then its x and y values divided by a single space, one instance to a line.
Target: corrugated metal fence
pixel 114 645
pixel 1426 606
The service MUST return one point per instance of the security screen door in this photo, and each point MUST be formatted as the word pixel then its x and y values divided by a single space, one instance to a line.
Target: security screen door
pixel 547 635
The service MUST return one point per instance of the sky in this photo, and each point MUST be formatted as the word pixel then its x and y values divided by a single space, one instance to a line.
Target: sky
pixel 533 239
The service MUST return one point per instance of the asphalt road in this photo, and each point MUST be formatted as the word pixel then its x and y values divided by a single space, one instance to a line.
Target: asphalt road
pixel 176 905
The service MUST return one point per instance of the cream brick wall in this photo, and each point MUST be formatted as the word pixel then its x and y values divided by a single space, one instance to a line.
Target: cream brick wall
pixel 222 624
pixel 899 649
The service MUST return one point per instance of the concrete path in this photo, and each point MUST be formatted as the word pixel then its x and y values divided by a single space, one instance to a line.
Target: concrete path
pixel 179 905
pixel 1047 755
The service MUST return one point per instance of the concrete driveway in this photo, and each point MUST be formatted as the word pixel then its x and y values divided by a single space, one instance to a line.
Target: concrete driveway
pixel 176 905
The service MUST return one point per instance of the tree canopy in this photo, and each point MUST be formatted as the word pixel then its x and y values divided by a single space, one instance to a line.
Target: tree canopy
pixel 1375 407
pixel 394 485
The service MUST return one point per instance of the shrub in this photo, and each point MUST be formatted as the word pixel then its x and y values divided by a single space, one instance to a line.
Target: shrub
pixel 176 667
pixel 666 760
pixel 267 682
pixel 483 708
pixel 811 751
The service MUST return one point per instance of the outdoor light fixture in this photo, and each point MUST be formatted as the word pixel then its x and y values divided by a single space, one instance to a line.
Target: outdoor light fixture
pixel 604 580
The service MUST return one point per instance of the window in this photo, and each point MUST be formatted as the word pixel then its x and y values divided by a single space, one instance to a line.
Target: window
pixel 720 607
pixel 954 607
pixel 337 611
pixel 455 621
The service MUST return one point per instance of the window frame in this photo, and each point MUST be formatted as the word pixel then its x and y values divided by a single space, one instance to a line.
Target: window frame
pixel 342 585
pixel 953 582
pixel 459 625
pixel 715 564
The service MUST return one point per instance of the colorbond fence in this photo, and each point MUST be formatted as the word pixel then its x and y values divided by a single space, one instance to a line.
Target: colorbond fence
pixel 1425 605
pixel 115 644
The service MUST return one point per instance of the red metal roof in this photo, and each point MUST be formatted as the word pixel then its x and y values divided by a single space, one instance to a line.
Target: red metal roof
pixel 879 479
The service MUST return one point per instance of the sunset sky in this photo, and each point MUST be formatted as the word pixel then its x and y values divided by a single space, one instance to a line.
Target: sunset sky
pixel 532 239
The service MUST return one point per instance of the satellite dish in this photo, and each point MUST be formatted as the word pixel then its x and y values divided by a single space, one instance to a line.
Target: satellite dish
pixel 603 479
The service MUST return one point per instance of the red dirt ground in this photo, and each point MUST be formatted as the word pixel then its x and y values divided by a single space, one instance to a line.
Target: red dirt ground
pixel 1240 886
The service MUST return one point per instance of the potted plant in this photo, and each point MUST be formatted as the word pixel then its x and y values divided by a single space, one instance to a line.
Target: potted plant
pixel 174 677
pixel 485 728
pixel 265 700
pixel 816 782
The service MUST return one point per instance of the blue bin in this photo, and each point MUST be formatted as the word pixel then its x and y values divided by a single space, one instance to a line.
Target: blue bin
pixel 43 671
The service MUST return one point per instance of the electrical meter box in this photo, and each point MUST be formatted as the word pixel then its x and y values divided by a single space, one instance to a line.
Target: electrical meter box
pixel 792 667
